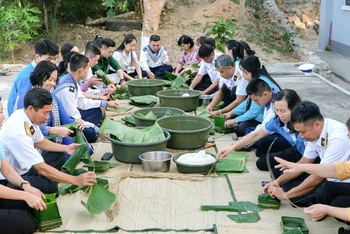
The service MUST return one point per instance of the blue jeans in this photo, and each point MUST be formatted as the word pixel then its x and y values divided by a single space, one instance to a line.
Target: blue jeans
pixel 160 70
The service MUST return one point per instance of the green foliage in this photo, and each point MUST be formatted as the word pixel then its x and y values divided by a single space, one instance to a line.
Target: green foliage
pixel 222 30
pixel 18 23
pixel 73 11
pixel 119 6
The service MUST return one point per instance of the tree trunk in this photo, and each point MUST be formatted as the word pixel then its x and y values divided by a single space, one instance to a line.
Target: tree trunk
pixel 46 17
pixel 241 11
pixel 151 19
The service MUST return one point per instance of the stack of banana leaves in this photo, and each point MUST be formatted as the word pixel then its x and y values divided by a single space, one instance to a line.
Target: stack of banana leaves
pixel 121 93
pixel 144 101
pixel 267 202
pixel 233 163
pixel 49 218
pixel 177 82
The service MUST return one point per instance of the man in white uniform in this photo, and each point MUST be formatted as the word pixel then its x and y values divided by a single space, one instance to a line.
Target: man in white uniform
pixel 328 141
pixel 19 137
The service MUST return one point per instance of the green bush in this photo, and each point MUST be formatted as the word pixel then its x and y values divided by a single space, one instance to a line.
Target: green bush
pixel 221 30
pixel 18 23
pixel 74 11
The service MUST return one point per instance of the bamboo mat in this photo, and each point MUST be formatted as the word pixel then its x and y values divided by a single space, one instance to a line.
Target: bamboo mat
pixel 173 202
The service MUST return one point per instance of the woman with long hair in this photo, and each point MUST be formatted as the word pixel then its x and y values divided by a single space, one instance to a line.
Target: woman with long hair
pixel 189 55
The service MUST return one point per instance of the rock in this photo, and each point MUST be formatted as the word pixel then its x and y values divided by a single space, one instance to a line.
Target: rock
pixel 169 6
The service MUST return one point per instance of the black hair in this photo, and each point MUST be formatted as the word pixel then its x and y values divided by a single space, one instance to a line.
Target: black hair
pixel 184 39
pixel 98 41
pixel 154 38
pixel 42 72
pixel 201 40
pixel 306 112
pixel 78 61
pixel 127 40
pixel 292 99
pixel 247 48
pixel 46 47
pixel 347 122
pixel 66 48
pixel 92 50
pixel 107 42
pixel 205 50
pixel 63 65
pixel 209 41
pixel 236 48
pixel 257 87
pixel 252 64
pixel 37 98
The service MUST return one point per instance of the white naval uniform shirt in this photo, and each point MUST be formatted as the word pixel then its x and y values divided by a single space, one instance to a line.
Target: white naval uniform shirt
pixel 236 80
pixel 209 68
pixel 18 143
pixel 332 146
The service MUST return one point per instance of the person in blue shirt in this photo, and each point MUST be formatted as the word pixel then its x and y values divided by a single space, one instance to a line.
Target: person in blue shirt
pixel 45 76
pixel 284 102
pixel 45 49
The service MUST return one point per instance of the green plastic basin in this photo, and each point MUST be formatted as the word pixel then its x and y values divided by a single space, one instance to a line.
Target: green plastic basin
pixel 174 98
pixel 187 132
pixel 145 87
pixel 158 111
pixel 129 152
pixel 189 169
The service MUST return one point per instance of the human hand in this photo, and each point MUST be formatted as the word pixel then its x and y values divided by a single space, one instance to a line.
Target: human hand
pixel 268 185
pixel 94 81
pixel 62 131
pixel 230 123
pixel 216 113
pixel 70 149
pixel 287 167
pixel 151 75
pixel 113 104
pixel 104 96
pixel 167 62
pixel 228 115
pixel 86 179
pixel 316 212
pixel 30 189
pixel 225 151
pixel 34 201
pixel 209 109
pixel 110 88
pixel 80 124
pixel 103 136
pixel 276 192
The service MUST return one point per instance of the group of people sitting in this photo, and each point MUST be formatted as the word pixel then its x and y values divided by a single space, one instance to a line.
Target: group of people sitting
pixel 290 135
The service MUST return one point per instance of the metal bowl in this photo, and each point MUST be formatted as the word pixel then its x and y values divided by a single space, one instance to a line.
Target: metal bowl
pixel 156 161
pixel 205 99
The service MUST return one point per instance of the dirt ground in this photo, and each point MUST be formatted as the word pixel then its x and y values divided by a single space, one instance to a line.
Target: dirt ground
pixel 179 17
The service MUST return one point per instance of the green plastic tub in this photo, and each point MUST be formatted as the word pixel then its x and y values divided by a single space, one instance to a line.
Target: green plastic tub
pixel 174 98
pixel 191 169
pixel 129 152
pixel 187 132
pixel 145 87
pixel 158 111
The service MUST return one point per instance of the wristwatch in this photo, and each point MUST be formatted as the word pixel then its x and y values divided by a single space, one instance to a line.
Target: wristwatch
pixel 23 183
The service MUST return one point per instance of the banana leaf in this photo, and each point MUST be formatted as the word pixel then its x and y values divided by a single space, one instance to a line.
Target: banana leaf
pixel 121 96
pixel 170 75
pixel 188 72
pixel 245 206
pixel 49 218
pixel 99 200
pixel 72 126
pixel 129 120
pixel 120 109
pixel 230 165
pixel 127 134
pixel 179 81
pixel 170 113
pixel 71 188
pixel 220 208
pixel 79 137
pixel 103 76
pixel 80 154
pixel 290 223
pixel 245 217
pixel 144 101
pixel 151 115
pixel 211 132
pixel 219 122
pixel 100 166
pixel 195 65
pixel 267 202
pixel 204 114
